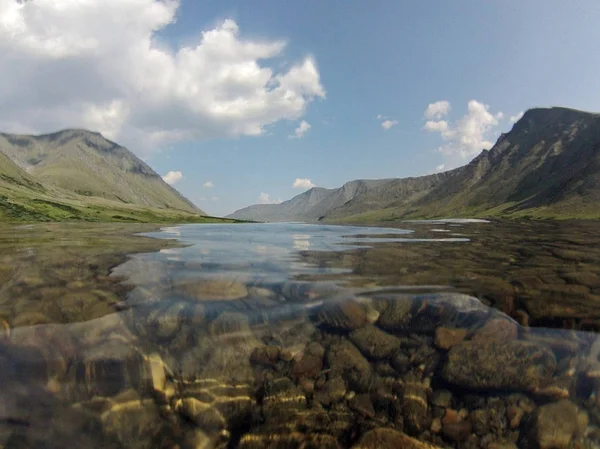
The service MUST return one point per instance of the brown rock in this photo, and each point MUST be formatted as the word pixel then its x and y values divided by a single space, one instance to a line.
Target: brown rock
pixel 383 438
pixel 436 425
pixel 265 355
pixel 214 289
pixel 362 404
pixel 345 359
pixel 306 365
pixel 450 417
pixel 557 425
pixel 497 329
pixel 374 343
pixel 515 365
pixel 343 315
pixel 514 415
pixel 458 431
pixel 397 316
pixel 446 338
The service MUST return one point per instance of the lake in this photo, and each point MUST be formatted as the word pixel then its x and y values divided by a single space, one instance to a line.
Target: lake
pixel 455 333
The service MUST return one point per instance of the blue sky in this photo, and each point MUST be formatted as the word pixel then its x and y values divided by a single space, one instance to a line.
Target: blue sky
pixel 478 63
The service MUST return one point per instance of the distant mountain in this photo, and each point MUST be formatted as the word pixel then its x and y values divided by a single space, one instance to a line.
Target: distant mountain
pixel 547 166
pixel 78 174
pixel 308 206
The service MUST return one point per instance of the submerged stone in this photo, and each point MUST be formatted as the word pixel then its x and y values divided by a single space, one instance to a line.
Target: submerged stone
pixel 515 365
pixel 556 425
pixel 446 338
pixel 384 438
pixel 343 315
pixel 375 343
pixel 345 359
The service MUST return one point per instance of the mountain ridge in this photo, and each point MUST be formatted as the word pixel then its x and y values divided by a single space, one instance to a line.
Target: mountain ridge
pixel 546 166
pixel 76 174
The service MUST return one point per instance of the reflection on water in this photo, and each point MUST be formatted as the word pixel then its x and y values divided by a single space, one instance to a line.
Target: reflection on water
pixel 264 336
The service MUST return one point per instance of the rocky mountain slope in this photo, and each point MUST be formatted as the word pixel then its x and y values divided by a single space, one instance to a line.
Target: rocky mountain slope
pixel 310 205
pixel 547 166
pixel 78 174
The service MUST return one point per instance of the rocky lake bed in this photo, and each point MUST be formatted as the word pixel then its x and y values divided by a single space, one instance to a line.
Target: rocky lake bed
pixel 449 334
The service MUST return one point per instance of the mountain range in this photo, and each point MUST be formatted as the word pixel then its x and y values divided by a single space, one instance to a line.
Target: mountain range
pixel 79 175
pixel 547 166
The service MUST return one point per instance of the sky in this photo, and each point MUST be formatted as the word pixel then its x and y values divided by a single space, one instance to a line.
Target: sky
pixel 243 102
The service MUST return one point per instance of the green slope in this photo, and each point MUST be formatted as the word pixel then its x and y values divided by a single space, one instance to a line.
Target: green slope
pixel 65 183
pixel 85 163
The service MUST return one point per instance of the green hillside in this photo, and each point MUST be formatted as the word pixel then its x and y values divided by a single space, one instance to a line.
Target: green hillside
pixel 79 175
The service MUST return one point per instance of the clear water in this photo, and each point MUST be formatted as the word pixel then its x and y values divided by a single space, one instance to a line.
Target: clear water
pixel 278 335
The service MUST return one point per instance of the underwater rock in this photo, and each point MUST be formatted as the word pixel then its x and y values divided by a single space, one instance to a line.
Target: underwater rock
pixel 345 359
pixel 213 289
pixel 496 329
pixel 396 316
pixel 374 343
pixel 362 404
pixel 384 438
pixel 446 338
pixel 343 315
pixel 556 425
pixel 515 365
pixel 415 407
pixel 309 362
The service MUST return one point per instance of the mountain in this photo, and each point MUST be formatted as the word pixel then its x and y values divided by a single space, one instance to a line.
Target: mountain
pixel 78 174
pixel 547 166
pixel 308 206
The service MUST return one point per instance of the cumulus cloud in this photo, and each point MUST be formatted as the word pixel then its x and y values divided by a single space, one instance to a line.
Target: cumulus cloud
pixel 173 177
pixel 387 124
pixel 98 64
pixel 208 185
pixel 468 136
pixel 303 183
pixel 440 167
pixel 265 198
pixel 299 132
pixel 516 118
pixel 437 110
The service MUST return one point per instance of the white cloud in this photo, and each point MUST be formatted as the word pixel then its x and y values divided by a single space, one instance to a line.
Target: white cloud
pixel 265 198
pixel 437 110
pixel 215 198
pixel 303 183
pixel 437 126
pixel 173 177
pixel 380 117
pixel 387 124
pixel 208 185
pixel 468 136
pixel 98 64
pixel 516 118
pixel 299 132
pixel 440 167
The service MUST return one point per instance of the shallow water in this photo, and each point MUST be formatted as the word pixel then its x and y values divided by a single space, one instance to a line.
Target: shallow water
pixel 293 335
